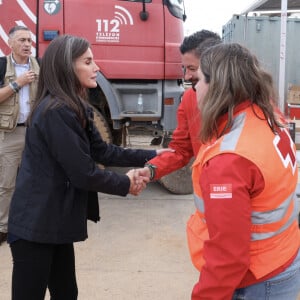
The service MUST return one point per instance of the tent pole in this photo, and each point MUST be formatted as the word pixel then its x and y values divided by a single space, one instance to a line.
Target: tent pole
pixel 282 57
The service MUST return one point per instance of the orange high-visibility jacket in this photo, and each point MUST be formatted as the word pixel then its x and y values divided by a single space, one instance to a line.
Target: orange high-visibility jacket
pixel 275 236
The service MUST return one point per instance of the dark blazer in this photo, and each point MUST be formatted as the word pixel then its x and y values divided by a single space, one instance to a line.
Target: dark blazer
pixel 59 172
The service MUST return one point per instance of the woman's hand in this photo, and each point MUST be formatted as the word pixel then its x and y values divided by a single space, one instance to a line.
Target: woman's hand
pixel 138 181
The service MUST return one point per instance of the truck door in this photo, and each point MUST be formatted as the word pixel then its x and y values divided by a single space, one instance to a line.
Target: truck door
pixel 124 46
pixel 50 23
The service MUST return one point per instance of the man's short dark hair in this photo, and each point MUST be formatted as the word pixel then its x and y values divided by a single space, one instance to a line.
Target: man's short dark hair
pixel 191 42
pixel 17 28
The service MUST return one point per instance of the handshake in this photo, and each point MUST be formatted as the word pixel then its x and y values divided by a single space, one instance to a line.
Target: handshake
pixel 138 180
pixel 140 177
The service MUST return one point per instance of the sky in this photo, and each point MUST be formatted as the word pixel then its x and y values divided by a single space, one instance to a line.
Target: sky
pixel 211 14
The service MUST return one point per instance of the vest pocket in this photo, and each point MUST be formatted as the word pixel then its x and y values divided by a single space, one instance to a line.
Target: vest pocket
pixel 7 117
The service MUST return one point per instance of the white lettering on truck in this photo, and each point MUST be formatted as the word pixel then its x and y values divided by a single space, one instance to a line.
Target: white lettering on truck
pixel 109 30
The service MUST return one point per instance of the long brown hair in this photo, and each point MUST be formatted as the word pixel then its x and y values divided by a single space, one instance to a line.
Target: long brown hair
pixel 57 77
pixel 234 76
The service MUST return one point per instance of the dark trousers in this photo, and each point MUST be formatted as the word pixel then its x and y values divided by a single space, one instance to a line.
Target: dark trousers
pixel 38 266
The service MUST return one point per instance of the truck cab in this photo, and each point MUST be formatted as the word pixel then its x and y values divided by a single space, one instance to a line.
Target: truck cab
pixel 135 44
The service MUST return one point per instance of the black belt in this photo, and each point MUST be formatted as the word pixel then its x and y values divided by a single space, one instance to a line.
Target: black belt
pixel 21 124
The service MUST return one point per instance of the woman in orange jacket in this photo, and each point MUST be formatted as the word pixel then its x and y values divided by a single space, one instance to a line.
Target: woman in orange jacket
pixel 244 178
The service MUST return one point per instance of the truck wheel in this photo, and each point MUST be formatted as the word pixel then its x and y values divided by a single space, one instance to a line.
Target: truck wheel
pixel 102 126
pixel 180 181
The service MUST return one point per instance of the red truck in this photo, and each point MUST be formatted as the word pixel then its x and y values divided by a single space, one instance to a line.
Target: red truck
pixel 136 45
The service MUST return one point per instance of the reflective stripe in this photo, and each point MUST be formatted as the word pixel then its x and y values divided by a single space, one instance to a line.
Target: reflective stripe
pixel 260 220
pixel 258 236
pixel 274 215
pixel 263 236
pixel 231 139
pixel 199 203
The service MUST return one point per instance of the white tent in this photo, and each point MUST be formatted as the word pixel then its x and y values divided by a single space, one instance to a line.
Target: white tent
pixel 271 5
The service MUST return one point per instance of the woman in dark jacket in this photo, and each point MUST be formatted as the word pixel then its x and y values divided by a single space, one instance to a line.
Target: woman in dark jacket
pixel 59 176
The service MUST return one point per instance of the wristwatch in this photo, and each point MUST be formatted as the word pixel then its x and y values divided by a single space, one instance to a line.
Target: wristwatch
pixel 152 170
pixel 14 86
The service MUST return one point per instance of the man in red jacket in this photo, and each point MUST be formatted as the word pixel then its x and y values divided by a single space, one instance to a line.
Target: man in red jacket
pixel 185 140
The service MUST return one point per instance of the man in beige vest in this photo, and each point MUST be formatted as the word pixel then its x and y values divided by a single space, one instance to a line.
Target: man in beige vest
pixel 17 93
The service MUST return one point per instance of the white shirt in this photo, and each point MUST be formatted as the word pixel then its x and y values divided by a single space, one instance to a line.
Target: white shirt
pixel 24 93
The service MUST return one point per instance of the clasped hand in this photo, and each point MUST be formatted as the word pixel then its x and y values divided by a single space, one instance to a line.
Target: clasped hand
pixel 138 181
pixel 140 177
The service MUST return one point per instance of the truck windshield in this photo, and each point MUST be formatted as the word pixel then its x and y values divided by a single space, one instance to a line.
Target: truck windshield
pixel 146 1
pixel 176 7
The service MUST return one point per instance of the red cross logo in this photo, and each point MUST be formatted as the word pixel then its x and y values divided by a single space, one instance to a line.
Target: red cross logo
pixel 284 146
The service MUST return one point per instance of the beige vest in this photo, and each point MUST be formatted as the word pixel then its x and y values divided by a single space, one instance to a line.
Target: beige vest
pixel 9 109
